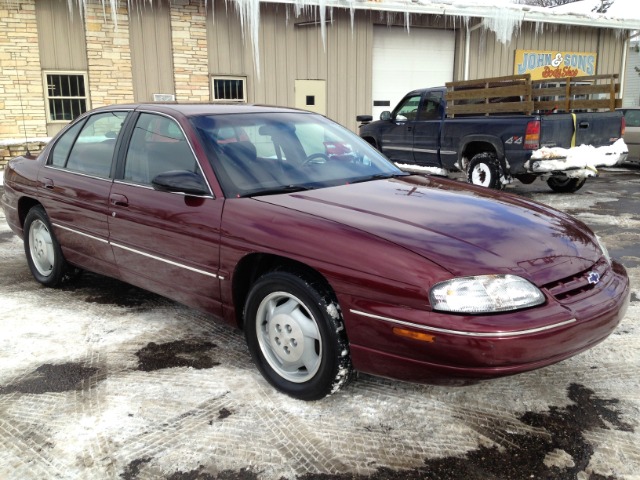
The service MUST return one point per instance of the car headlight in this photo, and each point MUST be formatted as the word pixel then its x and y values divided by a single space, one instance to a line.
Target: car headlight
pixel 604 249
pixel 485 294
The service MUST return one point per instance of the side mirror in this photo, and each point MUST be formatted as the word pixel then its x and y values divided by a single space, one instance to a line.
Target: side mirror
pixel 180 181
pixel 386 115
pixel 364 118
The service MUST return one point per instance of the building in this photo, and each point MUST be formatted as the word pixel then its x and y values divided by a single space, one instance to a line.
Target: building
pixel 341 58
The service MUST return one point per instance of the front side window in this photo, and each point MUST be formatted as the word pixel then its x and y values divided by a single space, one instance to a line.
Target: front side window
pixel 229 89
pixel 92 152
pixel 268 153
pixel 157 146
pixel 65 94
pixel 408 110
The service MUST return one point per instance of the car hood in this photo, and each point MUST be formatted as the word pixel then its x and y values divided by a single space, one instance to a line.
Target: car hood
pixel 466 230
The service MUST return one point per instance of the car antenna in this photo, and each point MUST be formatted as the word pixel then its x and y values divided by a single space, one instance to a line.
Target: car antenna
pixel 24 123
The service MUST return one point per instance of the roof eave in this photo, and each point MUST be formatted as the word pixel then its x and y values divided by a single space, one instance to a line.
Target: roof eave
pixel 518 12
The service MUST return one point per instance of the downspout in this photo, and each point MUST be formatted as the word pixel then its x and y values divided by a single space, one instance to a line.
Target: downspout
pixel 467 47
pixel 623 71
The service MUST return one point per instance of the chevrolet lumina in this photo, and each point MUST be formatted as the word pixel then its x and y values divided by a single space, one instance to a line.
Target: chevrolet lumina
pixel 330 258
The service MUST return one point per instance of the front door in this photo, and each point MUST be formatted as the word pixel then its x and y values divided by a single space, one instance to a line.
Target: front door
pixel 397 138
pixel 426 137
pixel 165 242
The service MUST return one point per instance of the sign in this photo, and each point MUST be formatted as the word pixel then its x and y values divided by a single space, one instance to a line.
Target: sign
pixel 546 64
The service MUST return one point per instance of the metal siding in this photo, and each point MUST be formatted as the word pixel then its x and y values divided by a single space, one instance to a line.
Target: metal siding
pixel 61 37
pixel 151 56
pixel 490 58
pixel 632 78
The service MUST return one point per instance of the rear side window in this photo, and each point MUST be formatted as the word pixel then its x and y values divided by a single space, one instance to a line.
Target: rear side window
pixel 632 118
pixel 62 148
pixel 92 152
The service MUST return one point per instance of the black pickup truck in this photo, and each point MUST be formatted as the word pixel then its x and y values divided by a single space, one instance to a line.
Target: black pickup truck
pixel 491 149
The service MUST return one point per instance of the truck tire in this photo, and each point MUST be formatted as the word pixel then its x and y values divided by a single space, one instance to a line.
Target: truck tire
pixel 484 170
pixel 565 184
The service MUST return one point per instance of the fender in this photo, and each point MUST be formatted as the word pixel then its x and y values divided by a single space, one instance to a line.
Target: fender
pixel 494 141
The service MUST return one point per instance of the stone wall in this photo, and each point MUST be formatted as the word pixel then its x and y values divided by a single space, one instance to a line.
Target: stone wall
pixel 190 58
pixel 108 55
pixel 9 151
pixel 21 91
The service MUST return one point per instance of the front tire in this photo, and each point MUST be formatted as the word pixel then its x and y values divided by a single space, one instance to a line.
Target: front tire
pixel 296 336
pixel 44 255
pixel 565 184
pixel 484 170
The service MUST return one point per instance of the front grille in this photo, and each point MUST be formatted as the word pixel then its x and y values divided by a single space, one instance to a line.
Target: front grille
pixel 576 286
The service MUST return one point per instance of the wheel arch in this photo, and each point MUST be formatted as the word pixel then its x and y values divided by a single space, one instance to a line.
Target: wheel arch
pixel 24 205
pixel 254 265
pixel 475 144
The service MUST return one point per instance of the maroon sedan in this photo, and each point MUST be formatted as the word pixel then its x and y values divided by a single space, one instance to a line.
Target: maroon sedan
pixel 328 256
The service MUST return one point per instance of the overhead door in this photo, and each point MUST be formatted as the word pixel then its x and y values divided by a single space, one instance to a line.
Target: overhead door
pixel 404 61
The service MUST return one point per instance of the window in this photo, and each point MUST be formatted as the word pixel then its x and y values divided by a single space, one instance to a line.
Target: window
pixel 408 109
pixel 92 152
pixel 65 94
pixel 157 145
pixel 229 89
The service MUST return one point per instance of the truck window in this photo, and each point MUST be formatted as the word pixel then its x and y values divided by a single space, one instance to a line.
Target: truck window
pixel 431 106
pixel 408 109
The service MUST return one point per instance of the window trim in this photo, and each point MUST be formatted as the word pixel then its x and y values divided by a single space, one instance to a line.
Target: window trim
pixel 228 77
pixel 45 86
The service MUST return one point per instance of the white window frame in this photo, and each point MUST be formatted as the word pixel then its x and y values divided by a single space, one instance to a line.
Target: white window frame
pixel 229 77
pixel 47 97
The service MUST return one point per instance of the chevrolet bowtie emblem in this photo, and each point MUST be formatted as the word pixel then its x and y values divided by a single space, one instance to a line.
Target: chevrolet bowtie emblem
pixel 593 277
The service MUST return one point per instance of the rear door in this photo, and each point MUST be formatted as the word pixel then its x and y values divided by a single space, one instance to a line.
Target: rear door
pixel 632 132
pixel 164 242
pixel 75 185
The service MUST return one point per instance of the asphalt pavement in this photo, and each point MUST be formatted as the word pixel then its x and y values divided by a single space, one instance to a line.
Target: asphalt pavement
pixel 103 380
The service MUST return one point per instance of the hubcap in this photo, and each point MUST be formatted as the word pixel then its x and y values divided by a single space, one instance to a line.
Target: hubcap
pixel 288 336
pixel 41 248
pixel 481 175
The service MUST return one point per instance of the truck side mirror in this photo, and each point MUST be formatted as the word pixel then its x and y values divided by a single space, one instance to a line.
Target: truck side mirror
pixel 386 115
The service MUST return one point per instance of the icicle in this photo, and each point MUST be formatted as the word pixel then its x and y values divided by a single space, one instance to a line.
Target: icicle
pixel 249 11
pixel 505 23
pixel 407 22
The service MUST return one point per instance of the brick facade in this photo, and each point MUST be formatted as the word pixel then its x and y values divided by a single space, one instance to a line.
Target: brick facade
pixel 190 58
pixel 109 56
pixel 21 90
pixel 7 152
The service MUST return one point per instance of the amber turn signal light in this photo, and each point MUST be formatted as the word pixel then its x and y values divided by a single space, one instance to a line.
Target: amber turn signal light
pixel 423 337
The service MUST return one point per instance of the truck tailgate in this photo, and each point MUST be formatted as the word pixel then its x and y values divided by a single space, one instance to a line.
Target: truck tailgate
pixel 596 129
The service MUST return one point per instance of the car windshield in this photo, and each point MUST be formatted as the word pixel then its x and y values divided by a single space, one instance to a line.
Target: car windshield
pixel 270 153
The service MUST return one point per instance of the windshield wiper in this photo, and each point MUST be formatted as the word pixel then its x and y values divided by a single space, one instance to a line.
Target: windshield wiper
pixel 379 176
pixel 276 190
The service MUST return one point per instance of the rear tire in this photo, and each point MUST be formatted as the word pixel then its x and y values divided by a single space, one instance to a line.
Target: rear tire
pixel 44 256
pixel 296 335
pixel 565 185
pixel 484 170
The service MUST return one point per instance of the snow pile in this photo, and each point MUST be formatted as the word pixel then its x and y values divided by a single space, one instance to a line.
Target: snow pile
pixel 620 9
pixel 405 167
pixel 583 159
pixel 8 142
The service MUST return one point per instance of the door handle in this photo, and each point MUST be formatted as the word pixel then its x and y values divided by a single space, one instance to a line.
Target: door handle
pixel 584 125
pixel 118 200
pixel 47 183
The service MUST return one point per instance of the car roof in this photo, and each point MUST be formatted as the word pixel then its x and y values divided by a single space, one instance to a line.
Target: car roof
pixel 197 109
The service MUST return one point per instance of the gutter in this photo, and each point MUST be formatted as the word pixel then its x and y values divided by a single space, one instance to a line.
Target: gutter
pixel 526 13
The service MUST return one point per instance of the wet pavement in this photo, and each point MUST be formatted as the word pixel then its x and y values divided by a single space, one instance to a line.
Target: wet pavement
pixel 100 379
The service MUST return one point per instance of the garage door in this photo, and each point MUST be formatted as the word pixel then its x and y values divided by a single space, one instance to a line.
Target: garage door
pixel 403 62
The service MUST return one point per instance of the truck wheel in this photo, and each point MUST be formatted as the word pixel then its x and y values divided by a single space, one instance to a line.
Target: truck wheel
pixel 484 170
pixel 296 335
pixel 566 185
